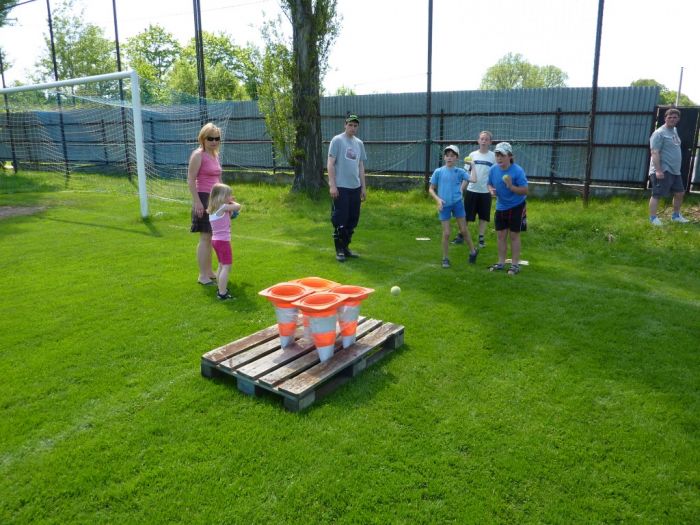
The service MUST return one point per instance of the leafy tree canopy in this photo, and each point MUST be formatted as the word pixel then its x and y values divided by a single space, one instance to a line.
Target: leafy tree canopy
pixel 81 49
pixel 5 8
pixel 513 71
pixel 232 72
pixel 666 96
pixel 152 52
pixel 344 91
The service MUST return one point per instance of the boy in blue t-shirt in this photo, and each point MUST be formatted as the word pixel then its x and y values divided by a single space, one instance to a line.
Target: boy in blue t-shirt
pixel 508 182
pixel 450 182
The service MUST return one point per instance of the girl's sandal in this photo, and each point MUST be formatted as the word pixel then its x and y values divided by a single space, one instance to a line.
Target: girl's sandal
pixel 496 267
pixel 514 268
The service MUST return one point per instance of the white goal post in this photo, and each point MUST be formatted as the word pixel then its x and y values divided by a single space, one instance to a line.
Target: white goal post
pixel 136 113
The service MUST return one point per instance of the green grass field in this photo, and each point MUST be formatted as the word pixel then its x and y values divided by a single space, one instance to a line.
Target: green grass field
pixel 566 394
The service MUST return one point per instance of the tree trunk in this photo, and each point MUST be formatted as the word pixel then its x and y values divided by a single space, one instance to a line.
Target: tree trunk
pixel 306 112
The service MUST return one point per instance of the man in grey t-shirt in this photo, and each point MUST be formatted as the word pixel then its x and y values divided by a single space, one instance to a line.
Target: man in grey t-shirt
pixel 665 167
pixel 346 179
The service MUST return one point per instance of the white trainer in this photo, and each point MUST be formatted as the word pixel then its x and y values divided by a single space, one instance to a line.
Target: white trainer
pixel 680 218
pixel 657 222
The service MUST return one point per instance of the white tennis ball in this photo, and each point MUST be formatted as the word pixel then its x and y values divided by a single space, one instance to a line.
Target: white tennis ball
pixel 395 290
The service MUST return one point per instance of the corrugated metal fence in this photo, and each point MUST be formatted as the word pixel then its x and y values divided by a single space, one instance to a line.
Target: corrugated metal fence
pixel 547 127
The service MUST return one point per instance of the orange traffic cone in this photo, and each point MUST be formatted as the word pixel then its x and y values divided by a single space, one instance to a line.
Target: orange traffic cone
pixel 321 309
pixel 349 310
pixel 282 296
pixel 318 284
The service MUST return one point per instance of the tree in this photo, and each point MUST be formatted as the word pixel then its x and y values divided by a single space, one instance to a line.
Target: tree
pixel 344 91
pixel 81 49
pixel 152 54
pixel 666 96
pixel 512 71
pixel 314 29
pixel 275 89
pixel 228 75
pixel 5 8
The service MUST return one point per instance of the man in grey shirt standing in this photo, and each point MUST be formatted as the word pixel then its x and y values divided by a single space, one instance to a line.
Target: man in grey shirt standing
pixel 665 167
pixel 346 179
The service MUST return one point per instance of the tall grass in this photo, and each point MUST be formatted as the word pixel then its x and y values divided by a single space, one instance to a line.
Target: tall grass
pixel 567 393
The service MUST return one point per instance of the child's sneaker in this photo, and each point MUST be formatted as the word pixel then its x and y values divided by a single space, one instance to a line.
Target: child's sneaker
pixel 445 263
pixel 482 243
pixel 458 240
pixel 677 217
pixel 472 257
pixel 224 296
pixel 514 269
pixel 656 221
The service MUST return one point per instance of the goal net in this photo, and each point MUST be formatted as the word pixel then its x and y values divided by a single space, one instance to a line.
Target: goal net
pixel 106 133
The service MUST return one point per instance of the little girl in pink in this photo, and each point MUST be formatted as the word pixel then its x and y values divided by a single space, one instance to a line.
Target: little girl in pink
pixel 222 207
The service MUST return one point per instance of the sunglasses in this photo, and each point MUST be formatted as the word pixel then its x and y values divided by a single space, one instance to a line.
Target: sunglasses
pixel 213 139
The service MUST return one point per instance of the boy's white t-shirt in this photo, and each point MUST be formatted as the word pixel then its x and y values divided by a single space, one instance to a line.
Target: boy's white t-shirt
pixel 483 163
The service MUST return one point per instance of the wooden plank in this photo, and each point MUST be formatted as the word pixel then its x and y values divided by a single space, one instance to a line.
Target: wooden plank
pixel 283 356
pixel 280 357
pixel 241 345
pixel 289 370
pixel 311 358
pixel 247 355
pixel 244 343
pixel 312 378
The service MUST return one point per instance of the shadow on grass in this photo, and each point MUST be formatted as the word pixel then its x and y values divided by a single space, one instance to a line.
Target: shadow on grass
pixel 152 230
pixel 242 295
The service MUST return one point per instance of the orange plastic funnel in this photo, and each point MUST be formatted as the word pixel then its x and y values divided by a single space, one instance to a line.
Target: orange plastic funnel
pixel 349 311
pixel 321 310
pixel 282 295
pixel 318 284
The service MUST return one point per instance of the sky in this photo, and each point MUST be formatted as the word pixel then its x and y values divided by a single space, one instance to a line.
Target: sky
pixel 383 44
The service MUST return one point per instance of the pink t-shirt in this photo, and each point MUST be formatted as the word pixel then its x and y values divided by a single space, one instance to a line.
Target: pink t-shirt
pixel 209 173
pixel 220 225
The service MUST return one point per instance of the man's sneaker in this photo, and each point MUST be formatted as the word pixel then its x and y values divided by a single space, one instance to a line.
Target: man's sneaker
pixel 472 257
pixel 656 221
pixel 458 240
pixel 340 257
pixel 349 253
pixel 445 263
pixel 679 218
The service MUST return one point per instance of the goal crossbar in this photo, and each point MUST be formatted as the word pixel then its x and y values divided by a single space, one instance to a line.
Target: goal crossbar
pixel 136 112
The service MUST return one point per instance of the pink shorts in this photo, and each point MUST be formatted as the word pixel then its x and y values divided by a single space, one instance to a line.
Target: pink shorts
pixel 223 251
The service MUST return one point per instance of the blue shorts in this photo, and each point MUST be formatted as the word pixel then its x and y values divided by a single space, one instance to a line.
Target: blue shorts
pixel 448 210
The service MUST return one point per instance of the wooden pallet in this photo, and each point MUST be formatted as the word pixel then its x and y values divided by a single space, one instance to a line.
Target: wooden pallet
pixel 295 372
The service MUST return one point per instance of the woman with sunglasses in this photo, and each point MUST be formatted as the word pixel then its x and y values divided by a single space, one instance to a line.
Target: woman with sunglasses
pixel 203 172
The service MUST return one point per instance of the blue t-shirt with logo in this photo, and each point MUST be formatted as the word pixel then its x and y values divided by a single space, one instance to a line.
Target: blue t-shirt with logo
pixel 505 198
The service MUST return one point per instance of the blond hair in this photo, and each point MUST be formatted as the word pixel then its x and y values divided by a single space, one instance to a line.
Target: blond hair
pixel 208 130
pixel 220 195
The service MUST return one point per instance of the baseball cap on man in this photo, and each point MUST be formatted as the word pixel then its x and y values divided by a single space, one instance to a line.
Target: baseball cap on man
pixel 452 148
pixel 352 118
pixel 504 148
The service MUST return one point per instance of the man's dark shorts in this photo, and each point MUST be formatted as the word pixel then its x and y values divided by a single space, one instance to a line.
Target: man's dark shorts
pixel 477 204
pixel 514 219
pixel 669 184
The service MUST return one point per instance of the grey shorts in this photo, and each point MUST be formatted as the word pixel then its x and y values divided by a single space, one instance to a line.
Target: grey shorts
pixel 669 184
